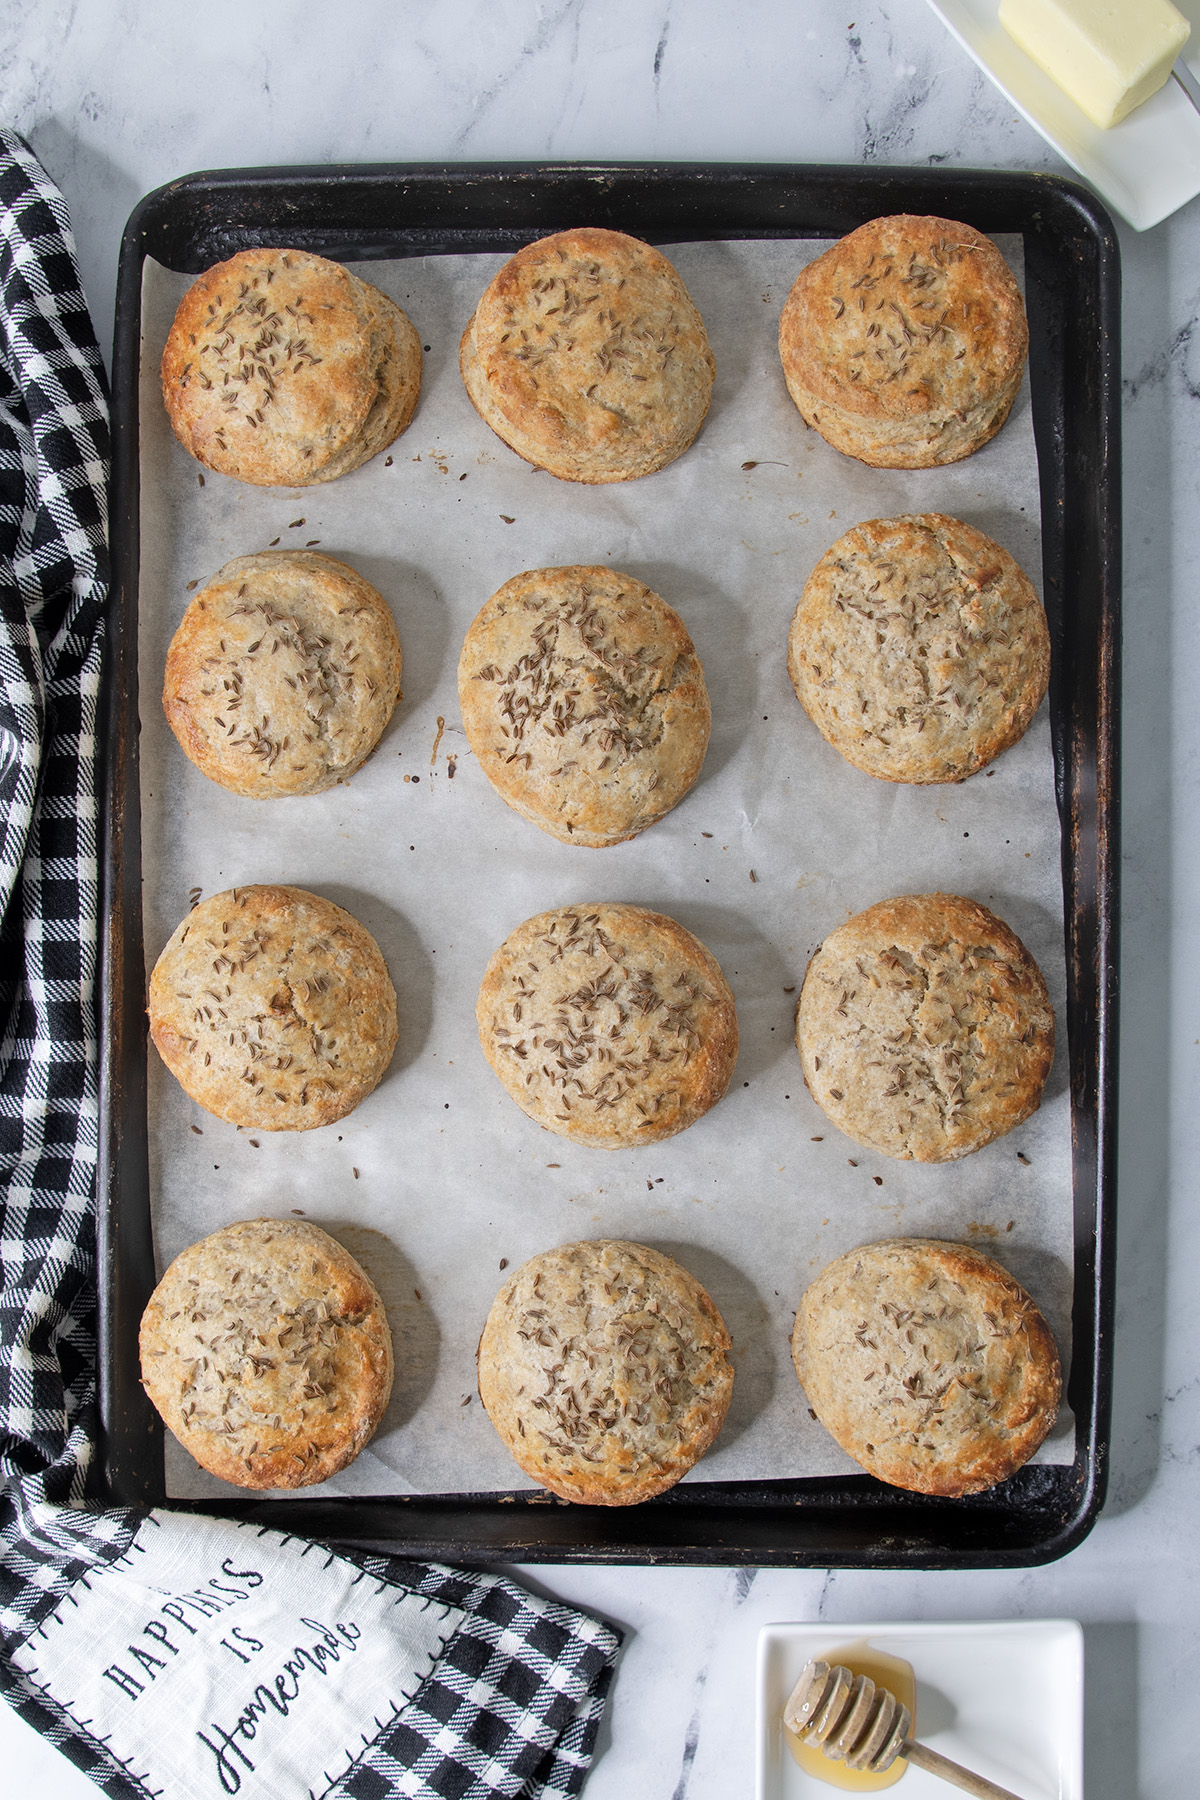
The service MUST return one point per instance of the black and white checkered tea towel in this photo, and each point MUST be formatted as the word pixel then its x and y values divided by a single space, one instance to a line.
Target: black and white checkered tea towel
pixel 168 1654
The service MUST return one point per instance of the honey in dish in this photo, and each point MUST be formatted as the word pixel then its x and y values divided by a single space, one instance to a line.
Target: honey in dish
pixel 890 1672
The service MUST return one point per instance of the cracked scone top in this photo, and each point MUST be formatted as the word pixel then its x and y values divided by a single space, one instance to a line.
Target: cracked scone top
pixel 583 699
pixel 905 343
pixel 283 674
pixel 608 1024
pixel 924 1028
pixel 273 1008
pixel 282 369
pixel 588 357
pixel 267 1352
pixel 929 1364
pixel 605 1369
pixel 919 648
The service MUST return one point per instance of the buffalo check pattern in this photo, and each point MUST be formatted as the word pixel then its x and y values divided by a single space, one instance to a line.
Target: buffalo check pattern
pixel 513 1705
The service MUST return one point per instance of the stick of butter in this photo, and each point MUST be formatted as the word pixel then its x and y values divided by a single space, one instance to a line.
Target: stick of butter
pixel 1108 55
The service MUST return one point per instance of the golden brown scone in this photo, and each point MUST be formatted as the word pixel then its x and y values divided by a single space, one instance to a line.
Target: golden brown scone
pixel 919 648
pixel 928 1363
pixel 611 1025
pixel 273 1008
pixel 587 356
pixel 283 674
pixel 924 1028
pixel 583 698
pixel 283 369
pixel 266 1349
pixel 605 1368
pixel 905 343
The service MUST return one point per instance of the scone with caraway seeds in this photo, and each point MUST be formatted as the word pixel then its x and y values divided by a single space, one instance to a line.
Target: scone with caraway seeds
pixel 605 1369
pixel 282 369
pixel 924 1028
pixel 587 356
pixel 919 648
pixel 283 674
pixel 905 343
pixel 609 1024
pixel 267 1352
pixel 273 1008
pixel 928 1363
pixel 584 701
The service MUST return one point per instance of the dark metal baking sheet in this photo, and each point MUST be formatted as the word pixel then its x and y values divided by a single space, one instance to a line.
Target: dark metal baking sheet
pixel 1073 294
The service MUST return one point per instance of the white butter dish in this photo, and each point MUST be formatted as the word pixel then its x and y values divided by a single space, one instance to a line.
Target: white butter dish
pixel 1145 167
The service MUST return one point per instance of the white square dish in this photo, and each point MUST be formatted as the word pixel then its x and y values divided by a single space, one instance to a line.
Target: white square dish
pixel 1146 167
pixel 1003 1699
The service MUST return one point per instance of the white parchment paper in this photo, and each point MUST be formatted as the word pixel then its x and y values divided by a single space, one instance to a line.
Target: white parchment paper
pixel 438 1180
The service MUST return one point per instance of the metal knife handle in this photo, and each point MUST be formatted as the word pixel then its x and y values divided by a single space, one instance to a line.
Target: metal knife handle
pixel 1187 81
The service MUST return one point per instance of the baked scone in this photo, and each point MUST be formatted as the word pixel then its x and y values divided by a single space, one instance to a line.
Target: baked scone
pixel 905 343
pixel 924 1028
pixel 266 1349
pixel 283 369
pixel 611 1025
pixel 283 674
pixel 605 1369
pixel 584 701
pixel 919 648
pixel 928 1363
pixel 273 1008
pixel 587 356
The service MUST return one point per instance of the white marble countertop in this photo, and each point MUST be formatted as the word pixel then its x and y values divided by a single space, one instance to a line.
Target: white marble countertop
pixel 119 96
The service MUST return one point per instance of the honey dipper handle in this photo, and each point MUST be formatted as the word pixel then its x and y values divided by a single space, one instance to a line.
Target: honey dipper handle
pixel 979 1785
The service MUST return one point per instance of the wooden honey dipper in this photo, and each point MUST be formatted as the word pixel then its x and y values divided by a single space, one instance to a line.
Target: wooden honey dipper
pixel 851 1720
